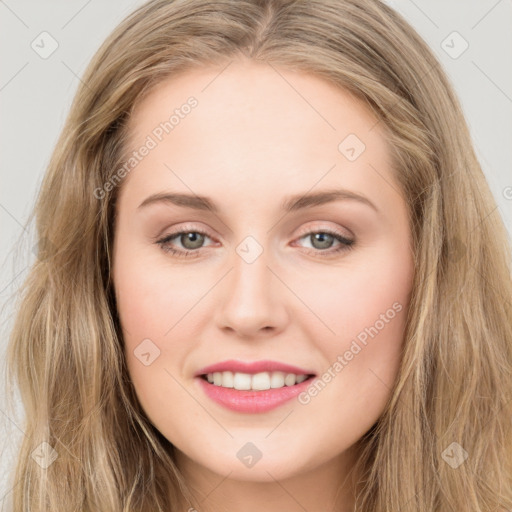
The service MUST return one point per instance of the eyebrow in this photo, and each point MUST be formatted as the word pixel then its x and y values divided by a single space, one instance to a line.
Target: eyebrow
pixel 291 204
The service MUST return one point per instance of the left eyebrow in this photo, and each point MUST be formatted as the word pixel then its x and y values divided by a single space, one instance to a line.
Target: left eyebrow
pixel 291 204
pixel 300 201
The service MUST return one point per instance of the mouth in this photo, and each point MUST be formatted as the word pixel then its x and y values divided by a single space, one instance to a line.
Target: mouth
pixel 261 381
pixel 252 387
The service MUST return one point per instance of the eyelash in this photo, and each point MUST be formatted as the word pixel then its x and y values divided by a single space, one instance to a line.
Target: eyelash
pixel 345 243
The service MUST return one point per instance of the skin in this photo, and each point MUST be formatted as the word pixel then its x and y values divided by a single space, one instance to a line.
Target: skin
pixel 251 142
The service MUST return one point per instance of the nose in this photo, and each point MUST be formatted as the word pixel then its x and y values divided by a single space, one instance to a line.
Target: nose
pixel 253 301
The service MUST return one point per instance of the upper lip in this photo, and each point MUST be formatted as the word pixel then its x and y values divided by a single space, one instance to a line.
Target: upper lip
pixel 252 367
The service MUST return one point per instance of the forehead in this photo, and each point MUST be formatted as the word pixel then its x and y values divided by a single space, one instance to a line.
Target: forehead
pixel 254 125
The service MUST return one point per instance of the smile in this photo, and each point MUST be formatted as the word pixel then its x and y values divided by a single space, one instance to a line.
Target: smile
pixel 252 387
pixel 255 382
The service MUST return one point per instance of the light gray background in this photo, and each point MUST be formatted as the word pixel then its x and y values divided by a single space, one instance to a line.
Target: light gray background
pixel 35 95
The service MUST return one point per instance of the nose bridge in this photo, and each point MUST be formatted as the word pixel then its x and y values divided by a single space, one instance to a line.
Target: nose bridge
pixel 252 300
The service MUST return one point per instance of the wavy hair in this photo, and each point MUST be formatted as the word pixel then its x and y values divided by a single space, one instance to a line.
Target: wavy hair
pixel 454 385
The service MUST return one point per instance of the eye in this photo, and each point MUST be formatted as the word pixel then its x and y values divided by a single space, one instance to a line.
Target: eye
pixel 192 239
pixel 322 241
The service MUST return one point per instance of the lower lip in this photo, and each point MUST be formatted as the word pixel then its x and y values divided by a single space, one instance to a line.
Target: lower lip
pixel 252 401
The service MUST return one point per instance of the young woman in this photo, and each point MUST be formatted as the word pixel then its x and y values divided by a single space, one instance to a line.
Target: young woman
pixel 271 275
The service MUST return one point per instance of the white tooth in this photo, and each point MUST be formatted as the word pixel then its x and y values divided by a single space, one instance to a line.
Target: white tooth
pixel 257 382
pixel 227 379
pixel 261 381
pixel 289 380
pixel 242 381
pixel 277 380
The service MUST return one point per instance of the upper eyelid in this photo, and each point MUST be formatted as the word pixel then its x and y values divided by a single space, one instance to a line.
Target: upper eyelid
pixel 320 229
pixel 190 228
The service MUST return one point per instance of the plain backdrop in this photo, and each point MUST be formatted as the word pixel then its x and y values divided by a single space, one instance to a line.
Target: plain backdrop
pixel 471 38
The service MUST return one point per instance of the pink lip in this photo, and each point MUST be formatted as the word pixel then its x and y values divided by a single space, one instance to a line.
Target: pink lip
pixel 233 365
pixel 252 401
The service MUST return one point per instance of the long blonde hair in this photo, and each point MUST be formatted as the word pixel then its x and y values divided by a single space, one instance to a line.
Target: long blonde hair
pixel 452 395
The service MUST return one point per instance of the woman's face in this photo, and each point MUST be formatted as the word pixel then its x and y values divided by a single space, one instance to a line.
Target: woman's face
pixel 295 249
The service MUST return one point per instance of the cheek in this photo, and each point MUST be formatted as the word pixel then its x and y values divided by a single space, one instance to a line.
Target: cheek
pixel 158 307
pixel 150 308
pixel 361 300
pixel 152 299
